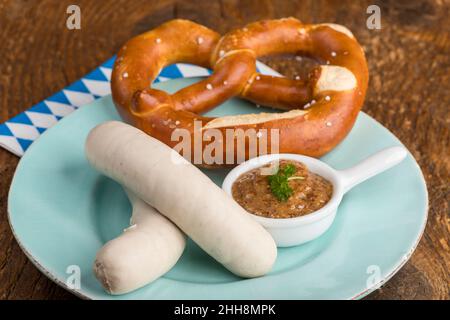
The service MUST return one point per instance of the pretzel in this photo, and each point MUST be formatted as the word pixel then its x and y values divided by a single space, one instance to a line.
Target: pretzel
pixel 321 110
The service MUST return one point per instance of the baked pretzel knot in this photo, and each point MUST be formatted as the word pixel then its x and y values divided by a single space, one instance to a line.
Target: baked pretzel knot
pixel 320 110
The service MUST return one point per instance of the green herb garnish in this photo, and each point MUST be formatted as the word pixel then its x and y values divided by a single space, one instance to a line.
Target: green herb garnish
pixel 279 182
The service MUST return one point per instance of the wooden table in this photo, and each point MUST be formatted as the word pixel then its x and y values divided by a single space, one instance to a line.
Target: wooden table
pixel 409 93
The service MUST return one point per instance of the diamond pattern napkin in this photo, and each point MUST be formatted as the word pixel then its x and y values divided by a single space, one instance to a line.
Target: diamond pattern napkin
pixel 19 132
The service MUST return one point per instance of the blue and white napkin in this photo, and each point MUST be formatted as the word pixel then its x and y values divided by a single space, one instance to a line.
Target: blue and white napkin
pixel 19 132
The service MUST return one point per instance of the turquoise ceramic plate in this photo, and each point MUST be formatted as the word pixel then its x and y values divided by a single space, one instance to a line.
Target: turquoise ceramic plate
pixel 62 211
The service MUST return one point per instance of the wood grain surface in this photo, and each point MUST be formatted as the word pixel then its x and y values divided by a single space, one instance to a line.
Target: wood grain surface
pixel 409 93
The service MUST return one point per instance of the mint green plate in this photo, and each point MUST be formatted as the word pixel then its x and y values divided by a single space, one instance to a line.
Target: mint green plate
pixel 62 211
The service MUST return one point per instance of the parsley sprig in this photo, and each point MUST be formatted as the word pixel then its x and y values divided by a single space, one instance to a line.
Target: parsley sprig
pixel 279 182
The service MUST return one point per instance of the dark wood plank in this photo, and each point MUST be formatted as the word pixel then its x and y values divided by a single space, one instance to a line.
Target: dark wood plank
pixel 409 93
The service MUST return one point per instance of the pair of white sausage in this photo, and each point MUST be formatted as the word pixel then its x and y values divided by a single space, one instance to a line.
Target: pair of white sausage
pixel 182 193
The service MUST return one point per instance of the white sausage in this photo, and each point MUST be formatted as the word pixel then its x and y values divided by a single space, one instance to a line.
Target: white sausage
pixel 145 251
pixel 165 180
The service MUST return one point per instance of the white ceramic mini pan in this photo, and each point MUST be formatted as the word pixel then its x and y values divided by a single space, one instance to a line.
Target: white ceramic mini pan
pixel 294 231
